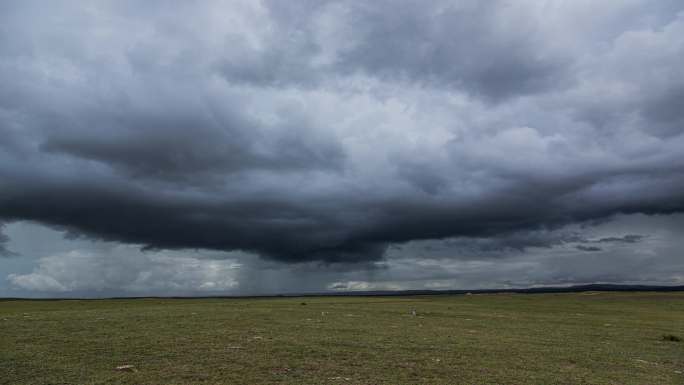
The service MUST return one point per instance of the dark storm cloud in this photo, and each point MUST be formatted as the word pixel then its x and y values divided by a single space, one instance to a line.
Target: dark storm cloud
pixel 329 131
pixel 629 238
pixel 588 248
pixel 261 224
pixel 184 144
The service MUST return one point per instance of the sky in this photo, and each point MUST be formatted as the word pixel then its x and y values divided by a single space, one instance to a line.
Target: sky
pixel 266 147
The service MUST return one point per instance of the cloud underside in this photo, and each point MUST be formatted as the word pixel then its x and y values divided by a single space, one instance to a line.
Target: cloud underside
pixel 329 131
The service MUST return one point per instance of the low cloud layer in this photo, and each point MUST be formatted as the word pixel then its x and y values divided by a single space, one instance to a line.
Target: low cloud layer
pixel 127 274
pixel 51 266
pixel 336 131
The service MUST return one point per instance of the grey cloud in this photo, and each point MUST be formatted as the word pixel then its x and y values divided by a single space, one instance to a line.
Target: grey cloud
pixel 461 45
pixel 664 112
pixel 588 248
pixel 469 46
pixel 629 238
pixel 330 131
pixel 423 178
pixel 4 239
pixel 497 246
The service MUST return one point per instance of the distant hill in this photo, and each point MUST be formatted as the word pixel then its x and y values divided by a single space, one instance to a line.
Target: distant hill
pixel 530 290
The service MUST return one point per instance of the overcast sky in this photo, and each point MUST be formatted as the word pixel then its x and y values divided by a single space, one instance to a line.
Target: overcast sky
pixel 259 147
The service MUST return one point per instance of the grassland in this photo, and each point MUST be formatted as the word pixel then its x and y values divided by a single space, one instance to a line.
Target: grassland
pixel 586 338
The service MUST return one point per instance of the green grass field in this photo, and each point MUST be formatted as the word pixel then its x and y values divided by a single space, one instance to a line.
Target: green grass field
pixel 587 338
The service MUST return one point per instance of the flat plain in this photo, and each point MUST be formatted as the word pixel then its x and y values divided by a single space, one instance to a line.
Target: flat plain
pixel 576 338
